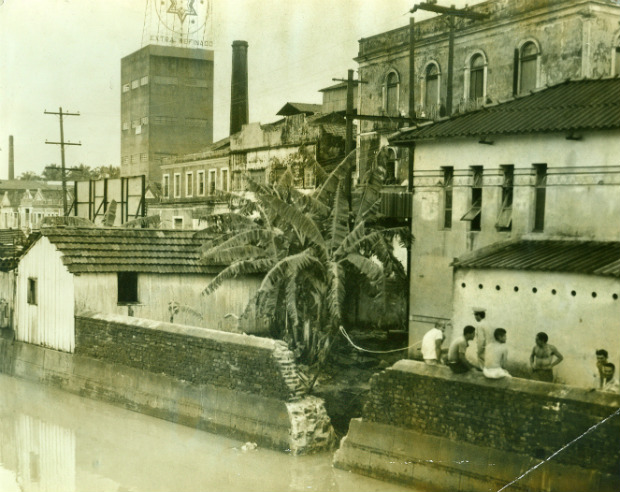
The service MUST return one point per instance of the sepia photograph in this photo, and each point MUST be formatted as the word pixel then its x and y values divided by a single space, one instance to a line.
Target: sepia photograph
pixel 320 245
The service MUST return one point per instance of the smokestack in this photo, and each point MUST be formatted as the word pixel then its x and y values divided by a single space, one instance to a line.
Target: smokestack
pixel 239 86
pixel 11 159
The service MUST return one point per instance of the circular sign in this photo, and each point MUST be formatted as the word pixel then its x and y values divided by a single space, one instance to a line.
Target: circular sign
pixel 183 16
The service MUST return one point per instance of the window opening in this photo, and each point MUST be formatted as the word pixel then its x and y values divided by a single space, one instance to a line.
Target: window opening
pixel 476 78
pixel 127 287
pixel 391 94
pixel 448 179
pixel 432 88
pixel 473 215
pixel 540 196
pixel 32 290
pixel 504 220
pixel 166 186
pixel 528 67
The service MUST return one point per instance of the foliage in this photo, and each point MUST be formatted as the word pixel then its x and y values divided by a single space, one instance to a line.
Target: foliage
pixel 309 247
pixel 82 172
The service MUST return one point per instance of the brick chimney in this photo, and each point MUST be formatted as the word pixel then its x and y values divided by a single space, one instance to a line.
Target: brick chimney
pixel 11 159
pixel 239 86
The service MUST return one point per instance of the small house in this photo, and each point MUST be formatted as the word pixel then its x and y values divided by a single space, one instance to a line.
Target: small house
pixel 147 273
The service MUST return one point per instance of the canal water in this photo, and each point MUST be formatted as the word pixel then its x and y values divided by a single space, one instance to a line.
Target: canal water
pixel 54 441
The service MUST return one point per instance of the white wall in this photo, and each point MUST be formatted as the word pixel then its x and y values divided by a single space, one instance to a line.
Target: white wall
pixel 577 325
pixel 50 321
pixel 98 292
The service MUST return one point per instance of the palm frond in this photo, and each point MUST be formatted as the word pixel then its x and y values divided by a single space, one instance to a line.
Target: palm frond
pixel 368 193
pixel 351 242
pixel 226 256
pixel 244 267
pixel 337 176
pixel 258 236
pixel 294 217
pixel 225 222
pixel 110 214
pixel 339 220
pixel 288 268
pixel 291 300
pixel 366 267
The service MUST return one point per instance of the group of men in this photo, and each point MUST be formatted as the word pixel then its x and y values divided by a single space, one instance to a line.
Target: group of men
pixel 492 354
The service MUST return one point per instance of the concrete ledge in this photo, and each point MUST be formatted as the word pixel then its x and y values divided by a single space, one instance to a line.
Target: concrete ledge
pixel 439 464
pixel 269 422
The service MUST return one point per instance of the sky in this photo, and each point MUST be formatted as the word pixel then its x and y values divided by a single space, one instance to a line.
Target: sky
pixel 66 53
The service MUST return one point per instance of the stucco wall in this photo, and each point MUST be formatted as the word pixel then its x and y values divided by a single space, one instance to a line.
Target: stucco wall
pixel 577 324
pixel 436 430
pixel 159 293
pixel 583 184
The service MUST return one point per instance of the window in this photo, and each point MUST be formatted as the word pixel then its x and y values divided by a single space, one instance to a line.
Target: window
pixel 144 120
pixel 177 222
pixel 32 290
pixel 528 67
pixel 134 158
pixel 144 80
pixel 540 196
pixel 126 87
pixel 135 123
pixel 177 185
pixel 212 177
pixel 135 84
pixel 504 220
pixel 615 60
pixel 166 186
pixel 391 165
pixel 189 183
pixel 164 120
pixel 476 78
pixel 309 181
pixel 196 122
pixel 125 125
pixel 144 157
pixel 127 287
pixel 473 215
pixel 224 177
pixel 125 160
pixel 431 96
pixel 391 94
pixel 200 176
pixel 448 183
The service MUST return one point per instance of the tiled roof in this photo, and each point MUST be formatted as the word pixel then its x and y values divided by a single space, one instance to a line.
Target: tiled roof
pixel 569 106
pixel 102 250
pixel 295 108
pixel 12 243
pixel 571 256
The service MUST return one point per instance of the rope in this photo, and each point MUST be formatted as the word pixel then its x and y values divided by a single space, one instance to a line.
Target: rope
pixel 345 334
pixel 561 449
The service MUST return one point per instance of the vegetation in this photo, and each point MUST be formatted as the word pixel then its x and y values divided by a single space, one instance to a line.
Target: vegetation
pixel 82 172
pixel 311 248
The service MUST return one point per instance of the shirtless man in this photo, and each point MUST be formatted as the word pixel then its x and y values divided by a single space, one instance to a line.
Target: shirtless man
pixel 495 356
pixel 544 357
pixel 457 361
pixel 601 360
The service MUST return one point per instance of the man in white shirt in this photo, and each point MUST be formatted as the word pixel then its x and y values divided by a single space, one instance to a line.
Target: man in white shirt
pixel 431 343
pixel 610 383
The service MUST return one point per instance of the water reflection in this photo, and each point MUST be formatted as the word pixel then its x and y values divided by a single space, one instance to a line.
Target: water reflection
pixel 52 441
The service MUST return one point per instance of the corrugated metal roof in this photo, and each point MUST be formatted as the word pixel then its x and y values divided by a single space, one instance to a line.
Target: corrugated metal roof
pixel 570 106
pixel 571 256
pixel 98 250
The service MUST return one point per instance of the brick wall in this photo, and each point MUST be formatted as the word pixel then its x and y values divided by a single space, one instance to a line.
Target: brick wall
pixel 196 355
pixel 514 415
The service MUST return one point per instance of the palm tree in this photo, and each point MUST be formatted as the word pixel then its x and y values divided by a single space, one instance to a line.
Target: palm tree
pixel 309 247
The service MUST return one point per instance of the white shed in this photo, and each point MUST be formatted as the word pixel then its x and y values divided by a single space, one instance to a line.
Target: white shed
pixel 147 273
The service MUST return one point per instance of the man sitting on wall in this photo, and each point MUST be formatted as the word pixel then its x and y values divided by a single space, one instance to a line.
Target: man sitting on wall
pixel 457 361
pixel 610 383
pixel 495 356
pixel 601 360
pixel 431 343
pixel 544 356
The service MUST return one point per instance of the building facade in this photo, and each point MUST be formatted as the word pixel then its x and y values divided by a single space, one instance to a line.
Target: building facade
pixel 545 164
pixel 24 204
pixel 166 106
pixel 516 47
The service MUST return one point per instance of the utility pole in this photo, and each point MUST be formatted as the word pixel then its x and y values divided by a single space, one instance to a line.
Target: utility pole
pixel 450 15
pixel 349 117
pixel 62 144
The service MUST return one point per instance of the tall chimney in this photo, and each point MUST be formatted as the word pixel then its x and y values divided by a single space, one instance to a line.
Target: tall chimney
pixel 239 86
pixel 11 159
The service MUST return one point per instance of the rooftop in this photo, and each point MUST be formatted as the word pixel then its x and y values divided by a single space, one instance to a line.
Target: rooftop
pixel 101 250
pixel 569 256
pixel 291 108
pixel 585 104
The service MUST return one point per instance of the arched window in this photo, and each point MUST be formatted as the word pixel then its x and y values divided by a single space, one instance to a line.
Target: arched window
pixel 528 67
pixel 615 58
pixel 476 77
pixel 391 94
pixel 431 96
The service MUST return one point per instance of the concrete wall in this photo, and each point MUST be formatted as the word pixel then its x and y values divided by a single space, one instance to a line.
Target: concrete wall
pixel 239 386
pixel 577 324
pixel 166 295
pixel 435 430
pixel 581 201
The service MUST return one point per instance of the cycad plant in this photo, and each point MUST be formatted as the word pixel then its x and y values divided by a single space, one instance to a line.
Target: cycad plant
pixel 309 248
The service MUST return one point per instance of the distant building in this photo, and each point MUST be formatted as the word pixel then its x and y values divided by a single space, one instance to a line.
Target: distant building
pixel 335 98
pixel 166 106
pixel 24 204
pixel 541 166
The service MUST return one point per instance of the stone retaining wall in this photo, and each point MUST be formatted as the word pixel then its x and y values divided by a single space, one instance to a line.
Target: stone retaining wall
pixel 236 385
pixel 429 427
